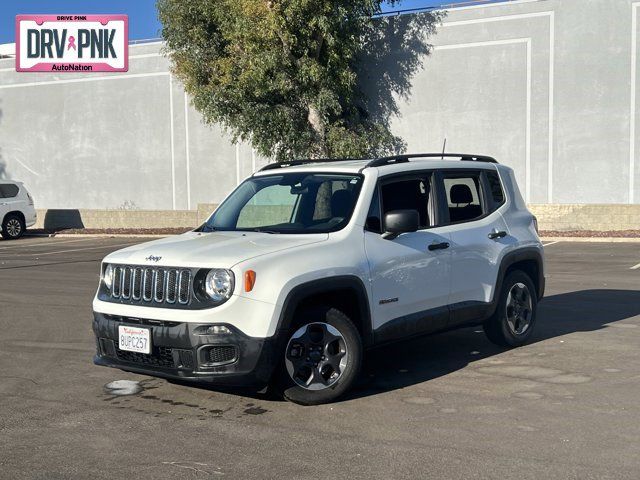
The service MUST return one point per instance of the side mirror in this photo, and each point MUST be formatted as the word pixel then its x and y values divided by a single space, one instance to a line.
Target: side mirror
pixel 400 221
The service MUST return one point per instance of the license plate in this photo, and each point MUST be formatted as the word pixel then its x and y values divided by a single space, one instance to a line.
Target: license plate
pixel 134 339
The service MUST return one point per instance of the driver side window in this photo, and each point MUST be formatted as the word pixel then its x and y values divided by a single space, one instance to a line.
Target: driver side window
pixel 403 194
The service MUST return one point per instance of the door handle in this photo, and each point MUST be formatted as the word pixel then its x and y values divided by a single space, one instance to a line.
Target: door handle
pixel 495 234
pixel 439 246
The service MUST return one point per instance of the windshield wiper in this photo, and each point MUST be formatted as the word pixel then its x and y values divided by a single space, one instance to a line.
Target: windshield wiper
pixel 264 230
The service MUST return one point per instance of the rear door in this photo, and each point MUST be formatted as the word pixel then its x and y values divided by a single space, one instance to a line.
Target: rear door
pixel 478 237
pixel 409 275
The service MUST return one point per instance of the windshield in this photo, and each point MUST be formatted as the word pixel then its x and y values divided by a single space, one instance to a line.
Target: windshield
pixel 288 203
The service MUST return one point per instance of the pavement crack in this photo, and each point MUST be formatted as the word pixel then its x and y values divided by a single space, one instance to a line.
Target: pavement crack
pixel 195 466
pixel 20 378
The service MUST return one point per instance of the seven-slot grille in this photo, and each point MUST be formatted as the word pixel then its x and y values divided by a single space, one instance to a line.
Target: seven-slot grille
pixel 146 284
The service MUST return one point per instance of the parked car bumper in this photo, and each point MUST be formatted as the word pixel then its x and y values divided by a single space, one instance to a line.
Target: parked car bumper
pixel 31 217
pixel 180 351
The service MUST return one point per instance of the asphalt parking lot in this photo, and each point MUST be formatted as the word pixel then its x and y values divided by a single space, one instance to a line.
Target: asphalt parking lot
pixel 446 406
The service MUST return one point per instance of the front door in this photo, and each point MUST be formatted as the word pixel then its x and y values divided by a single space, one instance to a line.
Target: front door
pixel 409 275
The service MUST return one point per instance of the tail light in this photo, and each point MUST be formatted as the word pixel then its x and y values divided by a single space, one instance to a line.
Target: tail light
pixel 30 198
pixel 535 224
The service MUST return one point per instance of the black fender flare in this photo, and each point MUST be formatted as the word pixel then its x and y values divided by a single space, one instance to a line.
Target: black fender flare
pixel 299 293
pixel 511 258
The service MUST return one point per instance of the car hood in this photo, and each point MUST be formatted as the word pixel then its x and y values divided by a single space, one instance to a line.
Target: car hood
pixel 209 250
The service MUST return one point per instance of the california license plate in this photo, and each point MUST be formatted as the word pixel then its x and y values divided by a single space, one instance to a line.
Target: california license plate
pixel 134 339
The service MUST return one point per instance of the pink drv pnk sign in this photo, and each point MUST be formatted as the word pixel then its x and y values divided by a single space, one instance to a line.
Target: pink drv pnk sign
pixel 72 43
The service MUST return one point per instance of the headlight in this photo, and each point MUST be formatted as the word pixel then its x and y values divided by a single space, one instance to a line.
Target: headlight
pixel 219 284
pixel 107 278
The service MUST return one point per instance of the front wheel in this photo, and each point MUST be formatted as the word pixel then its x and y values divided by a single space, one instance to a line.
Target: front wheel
pixel 322 358
pixel 512 323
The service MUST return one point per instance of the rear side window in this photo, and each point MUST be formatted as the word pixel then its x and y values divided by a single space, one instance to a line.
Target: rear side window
pixel 8 190
pixel 464 197
pixel 495 188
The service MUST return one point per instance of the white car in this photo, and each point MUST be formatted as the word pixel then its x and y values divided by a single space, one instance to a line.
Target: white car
pixel 16 209
pixel 307 264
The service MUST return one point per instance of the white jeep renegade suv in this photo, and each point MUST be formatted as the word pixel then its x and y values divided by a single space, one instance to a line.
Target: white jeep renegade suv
pixel 306 264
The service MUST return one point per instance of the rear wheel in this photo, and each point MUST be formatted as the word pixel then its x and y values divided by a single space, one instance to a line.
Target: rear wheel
pixel 322 358
pixel 12 227
pixel 512 323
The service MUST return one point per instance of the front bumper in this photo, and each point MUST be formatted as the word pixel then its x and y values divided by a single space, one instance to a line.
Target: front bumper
pixel 179 352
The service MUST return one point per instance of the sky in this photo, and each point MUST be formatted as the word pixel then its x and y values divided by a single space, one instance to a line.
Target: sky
pixel 143 21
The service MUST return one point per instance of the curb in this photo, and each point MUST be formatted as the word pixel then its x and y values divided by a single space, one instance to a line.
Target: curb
pixel 96 235
pixel 591 239
pixel 111 235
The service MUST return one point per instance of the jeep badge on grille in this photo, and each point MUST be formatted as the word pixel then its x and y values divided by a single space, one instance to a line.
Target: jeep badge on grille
pixel 152 258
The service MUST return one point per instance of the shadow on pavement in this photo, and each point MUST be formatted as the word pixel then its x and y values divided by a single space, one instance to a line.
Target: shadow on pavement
pixel 422 359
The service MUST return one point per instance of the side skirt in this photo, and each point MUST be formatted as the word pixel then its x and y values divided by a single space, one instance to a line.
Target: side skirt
pixel 434 320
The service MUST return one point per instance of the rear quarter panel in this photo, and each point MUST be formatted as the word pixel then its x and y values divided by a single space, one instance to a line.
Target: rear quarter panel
pixel 518 218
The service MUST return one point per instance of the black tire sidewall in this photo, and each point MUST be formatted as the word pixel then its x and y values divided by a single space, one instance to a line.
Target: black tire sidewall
pixel 294 393
pixel 498 322
pixel 5 232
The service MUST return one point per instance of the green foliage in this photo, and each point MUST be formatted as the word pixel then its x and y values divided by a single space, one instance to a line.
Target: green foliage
pixel 287 75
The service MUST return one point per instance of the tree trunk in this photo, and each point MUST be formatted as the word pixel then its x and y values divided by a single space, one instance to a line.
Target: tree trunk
pixel 315 120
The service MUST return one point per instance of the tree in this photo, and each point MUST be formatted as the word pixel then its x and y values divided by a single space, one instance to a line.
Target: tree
pixel 287 75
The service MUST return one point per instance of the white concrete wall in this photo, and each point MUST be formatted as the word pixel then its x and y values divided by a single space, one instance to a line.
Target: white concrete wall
pixel 547 86
pixel 107 141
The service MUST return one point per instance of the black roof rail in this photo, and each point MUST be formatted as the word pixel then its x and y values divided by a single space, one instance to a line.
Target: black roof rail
pixel 293 163
pixel 379 162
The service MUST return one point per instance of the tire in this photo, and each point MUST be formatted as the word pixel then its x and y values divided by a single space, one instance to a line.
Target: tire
pixel 13 227
pixel 321 359
pixel 511 325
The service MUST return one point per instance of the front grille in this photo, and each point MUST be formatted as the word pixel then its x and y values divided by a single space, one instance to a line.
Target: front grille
pixel 151 285
pixel 159 357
